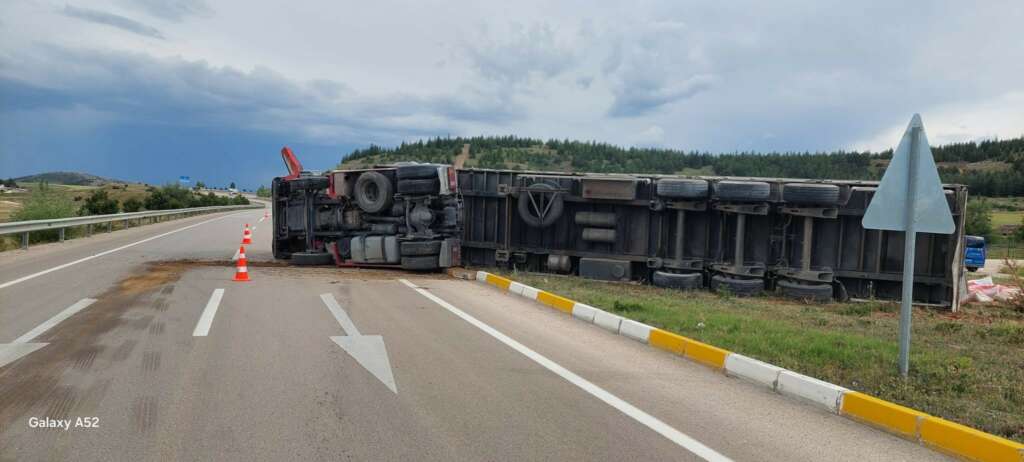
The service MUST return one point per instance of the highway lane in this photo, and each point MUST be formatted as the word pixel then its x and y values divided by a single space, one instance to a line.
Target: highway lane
pixel 28 303
pixel 267 382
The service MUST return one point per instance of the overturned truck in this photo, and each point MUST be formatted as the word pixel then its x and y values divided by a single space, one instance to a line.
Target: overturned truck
pixel 800 238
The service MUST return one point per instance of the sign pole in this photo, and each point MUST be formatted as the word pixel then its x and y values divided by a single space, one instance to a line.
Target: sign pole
pixel 909 198
pixel 909 246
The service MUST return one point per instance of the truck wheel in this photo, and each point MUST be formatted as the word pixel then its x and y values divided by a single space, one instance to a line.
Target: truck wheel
pixel 737 286
pixel 742 190
pixel 312 258
pixel 409 172
pixel 682 188
pixel 420 186
pixel 421 263
pixel 416 248
pixel 807 292
pixel 973 269
pixel 373 192
pixel 809 193
pixel 682 281
pixel 540 204
pixel 308 183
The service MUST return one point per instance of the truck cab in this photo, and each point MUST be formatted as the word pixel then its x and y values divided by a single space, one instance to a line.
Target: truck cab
pixel 406 215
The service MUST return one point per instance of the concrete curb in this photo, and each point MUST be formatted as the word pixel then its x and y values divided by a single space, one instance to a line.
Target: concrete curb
pixel 939 434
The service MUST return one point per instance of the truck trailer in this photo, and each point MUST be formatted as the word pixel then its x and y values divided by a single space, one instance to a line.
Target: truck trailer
pixel 799 238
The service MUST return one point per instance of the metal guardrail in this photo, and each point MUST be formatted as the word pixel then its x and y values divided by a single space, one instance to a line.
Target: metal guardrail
pixel 60 224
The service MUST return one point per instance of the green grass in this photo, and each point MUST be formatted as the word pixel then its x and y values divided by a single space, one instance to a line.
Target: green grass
pixel 968 368
pixel 1000 218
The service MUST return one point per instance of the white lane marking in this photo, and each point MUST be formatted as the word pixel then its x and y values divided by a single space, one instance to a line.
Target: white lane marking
pixel 206 319
pixel 368 350
pixel 346 323
pixel 106 252
pixel 49 323
pixel 663 429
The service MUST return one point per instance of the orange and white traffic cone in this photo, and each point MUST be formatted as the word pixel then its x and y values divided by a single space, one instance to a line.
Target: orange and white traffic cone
pixel 246 235
pixel 241 268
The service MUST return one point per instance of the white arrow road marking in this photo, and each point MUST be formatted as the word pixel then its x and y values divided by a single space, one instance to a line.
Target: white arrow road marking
pixel 21 346
pixel 662 428
pixel 367 350
pixel 206 319
pixel 106 252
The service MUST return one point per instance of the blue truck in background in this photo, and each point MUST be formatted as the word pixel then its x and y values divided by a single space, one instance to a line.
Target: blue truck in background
pixel 974 253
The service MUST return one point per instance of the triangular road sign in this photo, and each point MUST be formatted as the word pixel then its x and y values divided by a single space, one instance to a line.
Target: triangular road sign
pixel 888 206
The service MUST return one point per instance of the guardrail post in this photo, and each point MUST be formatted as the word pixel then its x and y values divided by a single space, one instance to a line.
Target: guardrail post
pixel 88 230
pixel 110 227
pixel 60 233
pixel 24 241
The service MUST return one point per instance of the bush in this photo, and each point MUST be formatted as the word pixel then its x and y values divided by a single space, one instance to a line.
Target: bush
pixel 263 191
pixel 132 205
pixel 169 197
pixel 44 204
pixel 99 203
pixel 979 218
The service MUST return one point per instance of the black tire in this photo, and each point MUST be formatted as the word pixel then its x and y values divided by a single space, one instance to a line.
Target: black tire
pixel 423 186
pixel 308 183
pixel 417 248
pixel 682 188
pixel 973 269
pixel 821 293
pixel 742 190
pixel 682 281
pixel 421 263
pixel 554 212
pixel 373 192
pixel 809 193
pixel 737 286
pixel 410 172
pixel 312 258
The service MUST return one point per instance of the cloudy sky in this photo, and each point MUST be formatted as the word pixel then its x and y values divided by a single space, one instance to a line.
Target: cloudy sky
pixel 152 89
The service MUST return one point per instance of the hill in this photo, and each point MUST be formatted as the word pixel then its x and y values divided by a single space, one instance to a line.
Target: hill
pixel 68 178
pixel 988 168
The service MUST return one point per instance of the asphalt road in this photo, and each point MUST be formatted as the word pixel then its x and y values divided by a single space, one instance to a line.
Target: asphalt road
pixel 168 374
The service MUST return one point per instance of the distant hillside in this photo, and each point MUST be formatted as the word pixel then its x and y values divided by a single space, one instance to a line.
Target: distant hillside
pixel 71 178
pixel 988 168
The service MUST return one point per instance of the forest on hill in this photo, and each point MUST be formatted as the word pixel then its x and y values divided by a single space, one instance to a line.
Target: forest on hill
pixel 988 168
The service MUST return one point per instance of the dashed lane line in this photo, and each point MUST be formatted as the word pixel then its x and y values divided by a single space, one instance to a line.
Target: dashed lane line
pixel 56 319
pixel 206 319
pixel 663 429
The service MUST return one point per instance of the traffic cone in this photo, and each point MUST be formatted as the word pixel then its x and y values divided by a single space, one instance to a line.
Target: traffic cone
pixel 241 268
pixel 246 235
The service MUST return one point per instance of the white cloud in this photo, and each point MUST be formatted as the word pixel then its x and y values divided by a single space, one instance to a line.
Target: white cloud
pixel 815 76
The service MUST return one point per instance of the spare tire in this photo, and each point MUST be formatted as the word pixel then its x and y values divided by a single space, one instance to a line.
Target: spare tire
pixel 743 190
pixel 737 286
pixel 373 192
pixel 547 212
pixel 407 172
pixel 416 248
pixel 308 183
pixel 821 293
pixel 683 188
pixel 421 263
pixel 421 186
pixel 312 258
pixel 682 281
pixel 810 193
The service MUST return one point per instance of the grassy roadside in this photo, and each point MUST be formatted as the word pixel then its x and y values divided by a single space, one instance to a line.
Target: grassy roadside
pixel 967 367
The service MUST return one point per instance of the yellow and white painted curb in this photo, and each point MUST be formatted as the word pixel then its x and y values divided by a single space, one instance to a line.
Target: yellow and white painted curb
pixel 939 434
